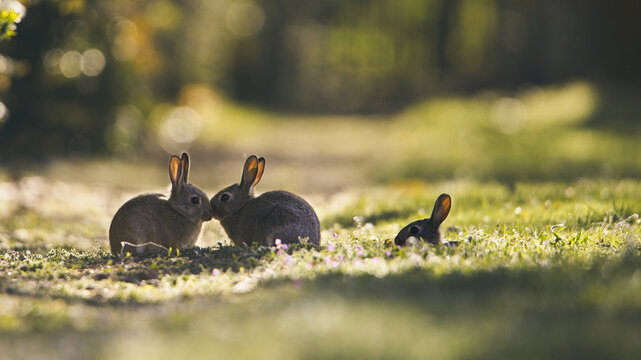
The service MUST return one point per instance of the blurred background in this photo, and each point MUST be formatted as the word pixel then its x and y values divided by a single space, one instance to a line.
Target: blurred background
pixel 333 93
pixel 369 109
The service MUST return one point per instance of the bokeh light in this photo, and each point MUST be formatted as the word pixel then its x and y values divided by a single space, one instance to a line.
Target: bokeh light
pixel 202 99
pixel 181 126
pixel 70 64
pixel 51 61
pixel 6 65
pixel 509 115
pixel 93 62
pixel 163 14
pixel 245 18
pixel 4 113
pixel 124 46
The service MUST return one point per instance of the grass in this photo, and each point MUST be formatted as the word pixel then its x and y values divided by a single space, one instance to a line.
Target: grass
pixel 546 203
pixel 514 287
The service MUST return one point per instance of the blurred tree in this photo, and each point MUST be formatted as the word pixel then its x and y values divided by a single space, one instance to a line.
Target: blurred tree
pixel 76 65
pixel 96 76
pixel 372 56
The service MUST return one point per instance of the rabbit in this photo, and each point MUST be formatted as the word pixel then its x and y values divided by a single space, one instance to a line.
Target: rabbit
pixel 149 223
pixel 273 215
pixel 427 229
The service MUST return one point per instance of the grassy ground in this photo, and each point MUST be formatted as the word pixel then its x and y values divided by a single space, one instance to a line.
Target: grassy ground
pixel 546 200
pixel 515 287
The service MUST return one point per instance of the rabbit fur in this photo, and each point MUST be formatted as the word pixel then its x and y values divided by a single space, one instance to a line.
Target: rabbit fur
pixel 152 222
pixel 426 229
pixel 273 215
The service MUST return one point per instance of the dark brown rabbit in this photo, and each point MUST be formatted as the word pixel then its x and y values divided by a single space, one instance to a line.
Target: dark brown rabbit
pixel 263 219
pixel 426 229
pixel 152 223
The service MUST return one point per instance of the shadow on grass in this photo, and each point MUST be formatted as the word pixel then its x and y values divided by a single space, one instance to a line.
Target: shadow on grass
pixel 557 312
pixel 191 261
pixel 32 273
pixel 562 311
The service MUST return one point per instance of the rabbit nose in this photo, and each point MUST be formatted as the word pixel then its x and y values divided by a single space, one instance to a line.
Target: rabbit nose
pixel 207 214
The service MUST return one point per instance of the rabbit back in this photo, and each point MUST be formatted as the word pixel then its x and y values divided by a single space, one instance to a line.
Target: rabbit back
pixel 273 215
pixel 151 218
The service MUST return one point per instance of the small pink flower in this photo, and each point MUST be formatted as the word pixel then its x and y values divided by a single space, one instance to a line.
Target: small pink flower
pixel 215 272
pixel 335 263
pixel 335 235
pixel 359 250
pixel 388 253
pixel 277 242
pixel 331 247
pixel 309 265
pixel 398 247
pixel 341 257
pixel 284 247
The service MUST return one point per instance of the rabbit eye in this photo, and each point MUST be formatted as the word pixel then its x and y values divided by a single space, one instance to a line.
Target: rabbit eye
pixel 414 230
pixel 224 197
pixel 195 199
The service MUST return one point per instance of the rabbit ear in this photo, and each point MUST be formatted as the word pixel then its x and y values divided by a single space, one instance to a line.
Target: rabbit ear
pixel 184 160
pixel 250 172
pixel 441 209
pixel 175 172
pixel 261 170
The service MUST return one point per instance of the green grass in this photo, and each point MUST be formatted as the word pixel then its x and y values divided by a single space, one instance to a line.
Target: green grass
pixel 546 203
pixel 514 288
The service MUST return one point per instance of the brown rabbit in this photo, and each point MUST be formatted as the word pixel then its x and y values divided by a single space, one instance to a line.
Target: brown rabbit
pixel 427 229
pixel 152 223
pixel 263 219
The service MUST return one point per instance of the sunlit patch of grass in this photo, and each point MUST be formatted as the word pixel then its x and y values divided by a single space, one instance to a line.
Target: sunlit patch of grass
pixel 535 133
pixel 537 264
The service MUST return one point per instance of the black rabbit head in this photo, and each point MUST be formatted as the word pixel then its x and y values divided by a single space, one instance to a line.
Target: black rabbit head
pixel 426 229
